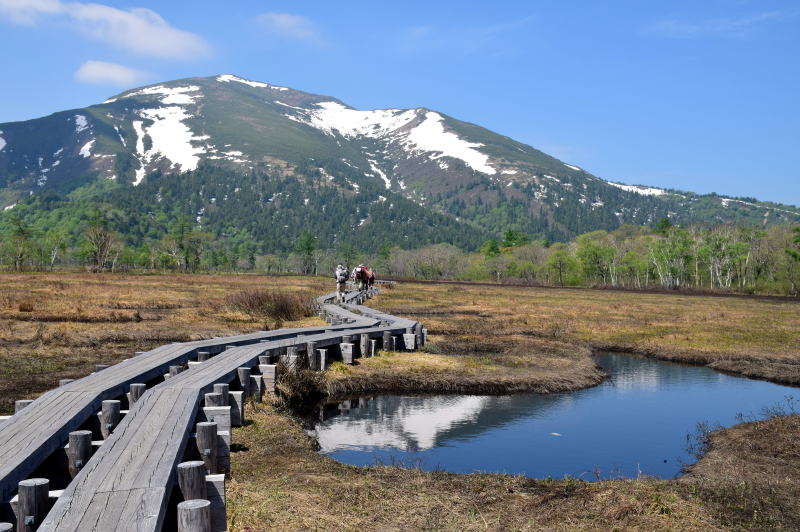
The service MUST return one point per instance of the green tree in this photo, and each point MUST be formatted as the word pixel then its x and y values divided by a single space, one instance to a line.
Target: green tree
pixel 491 249
pixel 795 253
pixel 560 262
pixel 663 226
pixel 305 247
pixel 513 238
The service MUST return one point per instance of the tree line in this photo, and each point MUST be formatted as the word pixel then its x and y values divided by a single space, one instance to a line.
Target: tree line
pixel 725 257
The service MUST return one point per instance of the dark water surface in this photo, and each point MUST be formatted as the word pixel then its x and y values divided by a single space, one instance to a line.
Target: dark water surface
pixel 638 420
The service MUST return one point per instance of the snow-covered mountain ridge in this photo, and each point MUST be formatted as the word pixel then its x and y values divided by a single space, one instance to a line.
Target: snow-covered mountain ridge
pixel 453 167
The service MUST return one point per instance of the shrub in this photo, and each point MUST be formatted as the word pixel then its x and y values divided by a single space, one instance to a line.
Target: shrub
pixel 272 304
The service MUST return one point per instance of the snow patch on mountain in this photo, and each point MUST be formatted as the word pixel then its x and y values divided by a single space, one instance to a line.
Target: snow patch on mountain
pixel 171 95
pixel 332 117
pixel 573 167
pixel 227 78
pixel 508 172
pixel 374 166
pixel 81 123
pixel 2 141
pixel 171 138
pixel 638 189
pixel 86 150
pixel 431 136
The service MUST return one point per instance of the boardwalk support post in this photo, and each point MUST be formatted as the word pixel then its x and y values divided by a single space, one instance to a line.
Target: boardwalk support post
pixel 32 503
pixel 79 450
pixel 192 480
pixel 136 392
pixel 22 403
pixel 207 445
pixel 109 417
pixel 194 516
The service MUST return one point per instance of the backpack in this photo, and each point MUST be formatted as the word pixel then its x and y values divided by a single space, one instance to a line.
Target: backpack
pixel 361 274
pixel 341 276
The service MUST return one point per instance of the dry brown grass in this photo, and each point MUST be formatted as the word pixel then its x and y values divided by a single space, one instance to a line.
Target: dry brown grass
pixel 55 326
pixel 281 483
pixel 750 474
pixel 753 337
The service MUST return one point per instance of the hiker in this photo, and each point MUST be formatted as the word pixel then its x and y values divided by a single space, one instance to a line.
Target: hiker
pixel 360 277
pixel 371 278
pixel 340 274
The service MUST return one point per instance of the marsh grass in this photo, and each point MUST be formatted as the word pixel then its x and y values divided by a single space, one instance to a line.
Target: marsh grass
pixel 55 326
pixel 282 483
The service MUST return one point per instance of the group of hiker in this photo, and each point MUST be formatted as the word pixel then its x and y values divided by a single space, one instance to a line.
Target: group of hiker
pixel 363 277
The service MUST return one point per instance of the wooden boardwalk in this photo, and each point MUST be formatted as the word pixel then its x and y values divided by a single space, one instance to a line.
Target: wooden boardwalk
pixel 129 482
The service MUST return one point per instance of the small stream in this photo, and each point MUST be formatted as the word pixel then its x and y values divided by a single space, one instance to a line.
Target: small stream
pixel 635 422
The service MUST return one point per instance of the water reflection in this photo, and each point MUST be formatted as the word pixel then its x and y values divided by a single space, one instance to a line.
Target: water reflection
pixel 635 421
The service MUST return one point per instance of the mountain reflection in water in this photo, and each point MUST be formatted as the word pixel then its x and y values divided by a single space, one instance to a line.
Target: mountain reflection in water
pixel 637 420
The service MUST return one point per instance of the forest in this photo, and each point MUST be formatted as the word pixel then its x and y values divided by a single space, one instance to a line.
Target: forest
pixel 727 258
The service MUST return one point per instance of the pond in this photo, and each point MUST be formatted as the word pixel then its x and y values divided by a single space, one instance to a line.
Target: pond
pixel 636 422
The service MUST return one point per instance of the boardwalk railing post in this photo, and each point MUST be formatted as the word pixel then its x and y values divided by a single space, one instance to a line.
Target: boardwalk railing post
pixel 194 516
pixel 207 445
pixel 192 480
pixel 79 450
pixel 137 389
pixel 32 503
pixel 109 417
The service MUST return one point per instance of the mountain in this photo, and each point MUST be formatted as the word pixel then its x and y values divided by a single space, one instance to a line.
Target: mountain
pixel 240 155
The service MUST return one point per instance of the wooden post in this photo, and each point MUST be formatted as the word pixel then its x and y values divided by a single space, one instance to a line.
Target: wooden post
pixel 22 403
pixel 418 333
pixel 203 356
pixel 373 347
pixel 387 341
pixel 207 445
pixel 322 358
pixel 237 408
pixel 32 503
pixel 244 380
pixel 363 345
pixel 215 399
pixel 79 451
pixel 224 389
pixel 291 357
pixel 192 480
pixel 194 516
pixel 311 355
pixel 256 388
pixel 347 352
pixel 136 392
pixel 174 370
pixel 410 341
pixel 109 417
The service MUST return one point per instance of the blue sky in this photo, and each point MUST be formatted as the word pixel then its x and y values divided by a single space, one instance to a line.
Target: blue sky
pixel 695 95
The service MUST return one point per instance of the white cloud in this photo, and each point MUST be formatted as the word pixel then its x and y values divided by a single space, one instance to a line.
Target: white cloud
pixel 295 27
pixel 720 27
pixel 104 73
pixel 27 11
pixel 139 30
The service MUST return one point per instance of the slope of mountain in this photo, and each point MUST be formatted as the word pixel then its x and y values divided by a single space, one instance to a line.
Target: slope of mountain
pixel 438 170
